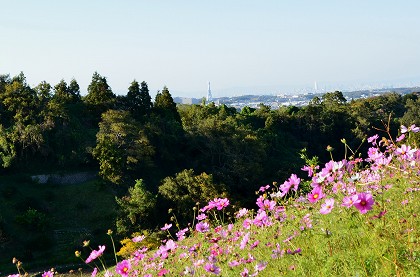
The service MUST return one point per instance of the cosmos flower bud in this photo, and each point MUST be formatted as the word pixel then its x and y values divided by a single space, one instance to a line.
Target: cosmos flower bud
pixel 86 243
pixel 77 254
pixel 109 233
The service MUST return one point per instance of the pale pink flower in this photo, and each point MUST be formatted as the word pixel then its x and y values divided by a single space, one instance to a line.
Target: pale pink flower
pixel 264 188
pixel 212 268
pixel 247 223
pixel 327 206
pixel 166 227
pixel 202 227
pixel 400 138
pixel 138 238
pixel 349 201
pixel 201 217
pixel 244 241
pixel 373 139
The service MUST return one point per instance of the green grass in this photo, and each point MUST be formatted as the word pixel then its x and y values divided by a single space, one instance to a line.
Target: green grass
pixel 385 241
pixel 342 243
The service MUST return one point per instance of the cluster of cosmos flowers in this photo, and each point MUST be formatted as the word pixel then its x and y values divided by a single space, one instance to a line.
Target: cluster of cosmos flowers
pixel 218 246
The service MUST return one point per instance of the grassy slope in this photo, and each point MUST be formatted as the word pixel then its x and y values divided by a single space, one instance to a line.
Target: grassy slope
pixel 345 242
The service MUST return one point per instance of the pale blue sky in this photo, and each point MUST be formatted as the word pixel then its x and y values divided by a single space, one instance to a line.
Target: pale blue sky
pixel 242 46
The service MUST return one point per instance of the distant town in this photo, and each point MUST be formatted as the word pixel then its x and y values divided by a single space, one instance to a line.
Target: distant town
pixel 276 101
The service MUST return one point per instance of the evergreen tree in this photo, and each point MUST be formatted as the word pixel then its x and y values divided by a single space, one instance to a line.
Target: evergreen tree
pixel 165 106
pixel 100 97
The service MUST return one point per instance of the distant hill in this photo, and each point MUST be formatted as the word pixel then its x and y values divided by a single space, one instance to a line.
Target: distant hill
pixel 275 101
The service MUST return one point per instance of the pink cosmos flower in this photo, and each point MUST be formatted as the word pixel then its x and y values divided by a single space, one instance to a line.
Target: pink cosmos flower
pixel 310 169
pixel 94 272
pixel 202 227
pixel 123 268
pixel 166 227
pixel 349 201
pixel 316 194
pixel 413 128
pixel 260 266
pixel 201 217
pixel 212 268
pixel 95 254
pixel 247 223
pixel 400 138
pixel 221 203
pixel 245 273
pixel 264 188
pixel 373 139
pixel 181 234
pixel 162 272
pixel 138 238
pixel 261 219
pixel 242 212
pixel 244 241
pixel 47 274
pixel 327 206
pixel 269 205
pixel 365 202
pixel 295 181
pixel 406 152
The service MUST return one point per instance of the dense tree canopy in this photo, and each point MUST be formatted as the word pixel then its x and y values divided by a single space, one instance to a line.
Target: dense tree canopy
pixel 129 137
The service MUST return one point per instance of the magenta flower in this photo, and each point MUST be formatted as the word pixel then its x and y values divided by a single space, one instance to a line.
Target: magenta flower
pixel 295 181
pixel 327 206
pixel 95 254
pixel 162 272
pixel 365 202
pixel 262 219
pixel 94 272
pixel 316 194
pixel 285 187
pixel 212 268
pixel 220 203
pixel 123 268
pixel 264 188
pixel 245 273
pixel 48 274
pixel 202 227
pixel 269 205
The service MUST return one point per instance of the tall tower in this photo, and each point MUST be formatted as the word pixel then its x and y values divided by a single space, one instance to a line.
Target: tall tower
pixel 209 96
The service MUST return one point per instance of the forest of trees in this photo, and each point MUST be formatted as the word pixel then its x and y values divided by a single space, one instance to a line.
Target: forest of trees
pixel 158 152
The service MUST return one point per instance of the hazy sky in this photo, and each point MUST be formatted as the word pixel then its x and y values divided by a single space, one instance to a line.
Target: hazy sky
pixel 242 47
